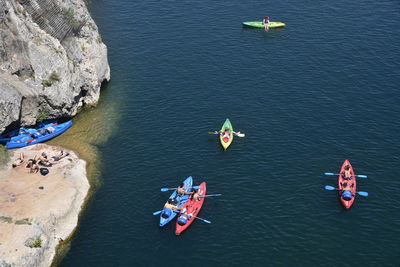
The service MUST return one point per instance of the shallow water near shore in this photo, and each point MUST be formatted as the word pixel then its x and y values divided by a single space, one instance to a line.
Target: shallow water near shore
pixel 309 96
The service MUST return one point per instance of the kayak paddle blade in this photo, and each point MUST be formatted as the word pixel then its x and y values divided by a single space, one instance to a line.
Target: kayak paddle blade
pixel 328 187
pixel 364 194
pixel 157 212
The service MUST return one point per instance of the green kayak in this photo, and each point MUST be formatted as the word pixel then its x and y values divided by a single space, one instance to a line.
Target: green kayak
pixel 226 137
pixel 259 24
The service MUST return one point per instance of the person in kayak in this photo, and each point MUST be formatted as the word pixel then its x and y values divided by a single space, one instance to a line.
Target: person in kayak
pixel 226 133
pixel 186 215
pixel 266 23
pixel 196 196
pixel 169 208
pixel 171 204
pixel 346 191
pixel 347 174
pixel 182 191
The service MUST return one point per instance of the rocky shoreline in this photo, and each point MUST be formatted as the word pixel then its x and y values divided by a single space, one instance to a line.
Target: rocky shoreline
pixel 37 211
pixel 53 63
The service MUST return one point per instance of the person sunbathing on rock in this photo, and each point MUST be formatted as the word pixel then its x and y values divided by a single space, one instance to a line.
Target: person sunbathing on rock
pixel 60 156
pixel 33 165
pixel 18 161
pixel 48 162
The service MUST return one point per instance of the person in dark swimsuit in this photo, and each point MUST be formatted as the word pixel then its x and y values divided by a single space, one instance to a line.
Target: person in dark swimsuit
pixel 60 156
pixel 32 165
pixel 18 161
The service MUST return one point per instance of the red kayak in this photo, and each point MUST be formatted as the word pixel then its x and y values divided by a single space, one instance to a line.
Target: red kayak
pixel 347 185
pixel 189 209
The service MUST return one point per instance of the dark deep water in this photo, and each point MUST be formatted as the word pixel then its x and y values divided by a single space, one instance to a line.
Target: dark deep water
pixel 322 90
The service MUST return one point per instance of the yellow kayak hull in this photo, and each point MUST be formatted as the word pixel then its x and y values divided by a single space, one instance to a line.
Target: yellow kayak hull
pixel 226 143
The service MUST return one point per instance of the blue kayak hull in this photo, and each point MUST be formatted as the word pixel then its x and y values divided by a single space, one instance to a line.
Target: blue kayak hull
pixel 188 184
pixel 7 137
pixel 26 139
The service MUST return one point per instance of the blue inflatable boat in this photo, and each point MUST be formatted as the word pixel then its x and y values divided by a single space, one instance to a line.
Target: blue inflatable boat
pixel 25 137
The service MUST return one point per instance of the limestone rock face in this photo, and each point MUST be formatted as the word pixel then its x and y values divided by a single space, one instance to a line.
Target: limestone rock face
pixel 52 60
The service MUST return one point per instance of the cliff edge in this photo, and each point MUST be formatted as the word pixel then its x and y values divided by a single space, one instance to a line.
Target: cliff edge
pixel 52 60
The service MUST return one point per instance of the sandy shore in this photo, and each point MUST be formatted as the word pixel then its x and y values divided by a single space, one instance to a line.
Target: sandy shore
pixel 38 212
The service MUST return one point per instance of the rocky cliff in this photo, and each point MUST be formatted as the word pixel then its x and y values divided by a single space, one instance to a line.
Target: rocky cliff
pixel 52 60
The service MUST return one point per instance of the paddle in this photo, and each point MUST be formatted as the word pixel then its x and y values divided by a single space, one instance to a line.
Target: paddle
pixel 213 195
pixel 361 193
pixel 204 220
pixel 359 175
pixel 237 134
pixel 167 189
pixel 158 212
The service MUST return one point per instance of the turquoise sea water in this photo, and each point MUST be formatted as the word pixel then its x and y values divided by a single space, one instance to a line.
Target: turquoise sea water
pixel 322 90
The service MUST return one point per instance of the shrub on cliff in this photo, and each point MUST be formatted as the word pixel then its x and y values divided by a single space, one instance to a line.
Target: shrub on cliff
pixel 34 242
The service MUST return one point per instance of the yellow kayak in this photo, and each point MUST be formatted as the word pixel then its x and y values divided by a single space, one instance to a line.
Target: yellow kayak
pixel 226 137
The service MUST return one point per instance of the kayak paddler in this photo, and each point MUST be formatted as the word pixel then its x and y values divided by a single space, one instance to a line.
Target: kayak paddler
pixel 186 214
pixel 347 174
pixel 196 196
pixel 266 22
pixel 226 133
pixel 181 191
pixel 169 208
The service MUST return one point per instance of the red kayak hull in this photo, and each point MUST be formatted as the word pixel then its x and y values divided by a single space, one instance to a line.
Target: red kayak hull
pixel 347 204
pixel 192 208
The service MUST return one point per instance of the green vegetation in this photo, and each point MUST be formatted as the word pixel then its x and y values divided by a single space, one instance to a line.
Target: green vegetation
pixel 23 221
pixel 3 156
pixel 99 39
pixel 46 83
pixel 6 219
pixel 70 14
pixel 59 50
pixel 36 243
pixel 41 116
pixel 54 77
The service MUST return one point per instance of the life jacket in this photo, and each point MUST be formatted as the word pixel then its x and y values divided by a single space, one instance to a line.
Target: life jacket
pixel 183 219
pixel 347 195
pixel 166 213
pixel 226 136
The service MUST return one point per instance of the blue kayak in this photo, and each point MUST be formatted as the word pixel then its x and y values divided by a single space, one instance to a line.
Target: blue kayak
pixel 167 215
pixel 7 137
pixel 21 131
pixel 31 136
